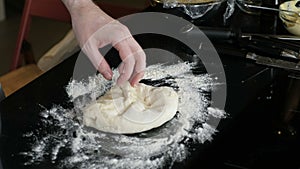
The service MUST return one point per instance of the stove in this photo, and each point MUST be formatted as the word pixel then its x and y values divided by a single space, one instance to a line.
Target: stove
pixel 254 135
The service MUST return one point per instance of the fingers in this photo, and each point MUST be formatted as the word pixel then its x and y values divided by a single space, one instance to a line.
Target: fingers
pixel 133 61
pixel 98 61
pixel 136 78
pixel 105 70
pixel 126 69
pixel 132 55
pixel 139 68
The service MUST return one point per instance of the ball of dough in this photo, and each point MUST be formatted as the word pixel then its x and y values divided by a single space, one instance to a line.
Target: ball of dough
pixel 126 109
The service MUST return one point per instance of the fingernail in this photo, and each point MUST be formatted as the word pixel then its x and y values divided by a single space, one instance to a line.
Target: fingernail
pixel 133 84
pixel 107 75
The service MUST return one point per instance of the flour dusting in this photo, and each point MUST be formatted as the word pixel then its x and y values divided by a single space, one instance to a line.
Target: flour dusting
pixel 69 144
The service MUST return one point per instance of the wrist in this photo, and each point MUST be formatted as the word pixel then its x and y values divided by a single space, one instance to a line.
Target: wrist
pixel 76 3
pixel 76 6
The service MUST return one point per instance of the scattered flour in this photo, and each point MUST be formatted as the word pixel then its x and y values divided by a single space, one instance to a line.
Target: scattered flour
pixel 69 144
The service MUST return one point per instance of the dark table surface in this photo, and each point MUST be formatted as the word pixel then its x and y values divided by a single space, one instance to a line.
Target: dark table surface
pixel 247 139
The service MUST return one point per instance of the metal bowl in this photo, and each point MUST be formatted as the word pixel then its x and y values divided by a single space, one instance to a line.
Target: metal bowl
pixel 194 8
pixel 187 2
pixel 291 20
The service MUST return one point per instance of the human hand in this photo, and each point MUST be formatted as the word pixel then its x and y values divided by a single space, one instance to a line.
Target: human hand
pixel 94 29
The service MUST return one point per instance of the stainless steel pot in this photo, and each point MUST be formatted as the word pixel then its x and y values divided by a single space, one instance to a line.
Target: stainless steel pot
pixel 194 8
pixel 187 2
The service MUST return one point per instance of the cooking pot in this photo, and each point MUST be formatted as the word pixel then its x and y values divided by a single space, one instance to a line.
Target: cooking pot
pixel 188 2
pixel 194 8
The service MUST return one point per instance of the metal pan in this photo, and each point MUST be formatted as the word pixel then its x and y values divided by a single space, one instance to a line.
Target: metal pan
pixel 2 97
pixel 194 8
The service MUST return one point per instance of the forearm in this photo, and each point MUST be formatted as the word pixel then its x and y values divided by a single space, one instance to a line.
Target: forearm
pixel 76 4
pixel 76 7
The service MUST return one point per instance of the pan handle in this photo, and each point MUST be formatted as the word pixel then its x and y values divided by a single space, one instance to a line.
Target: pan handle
pixel 2 97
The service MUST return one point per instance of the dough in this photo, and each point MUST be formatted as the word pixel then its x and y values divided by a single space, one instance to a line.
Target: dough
pixel 128 109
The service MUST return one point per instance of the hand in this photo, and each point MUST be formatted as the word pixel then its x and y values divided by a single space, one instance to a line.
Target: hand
pixel 94 29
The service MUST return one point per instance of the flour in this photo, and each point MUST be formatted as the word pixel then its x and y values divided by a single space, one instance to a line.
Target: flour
pixel 72 145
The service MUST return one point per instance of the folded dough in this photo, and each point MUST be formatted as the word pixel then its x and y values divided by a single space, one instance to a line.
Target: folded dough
pixel 128 109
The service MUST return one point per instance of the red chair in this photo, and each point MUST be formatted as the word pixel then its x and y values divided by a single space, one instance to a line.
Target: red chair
pixel 52 9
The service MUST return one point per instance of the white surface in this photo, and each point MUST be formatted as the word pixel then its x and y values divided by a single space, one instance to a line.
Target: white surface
pixel 2 10
pixel 132 110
